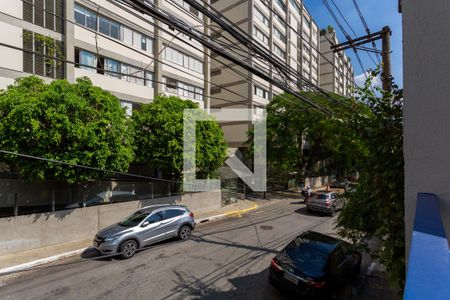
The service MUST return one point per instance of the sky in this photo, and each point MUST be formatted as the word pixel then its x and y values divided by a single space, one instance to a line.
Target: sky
pixel 378 13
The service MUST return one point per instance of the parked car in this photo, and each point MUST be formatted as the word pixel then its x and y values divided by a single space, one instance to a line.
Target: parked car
pixel 314 264
pixel 144 227
pixel 328 202
pixel 106 197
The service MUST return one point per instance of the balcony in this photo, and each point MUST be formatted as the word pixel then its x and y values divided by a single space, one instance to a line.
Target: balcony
pixel 428 275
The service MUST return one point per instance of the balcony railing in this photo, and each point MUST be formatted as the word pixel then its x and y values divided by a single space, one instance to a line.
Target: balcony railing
pixel 428 274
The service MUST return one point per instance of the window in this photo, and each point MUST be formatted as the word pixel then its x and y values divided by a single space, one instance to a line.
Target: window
pixel 261 92
pixel 106 26
pixel 171 85
pixel 183 60
pixel 103 25
pixel 216 90
pixel 114 66
pixel 260 35
pixel 91 20
pixel 137 40
pixel 281 4
pixel 278 51
pixel 183 89
pixel 88 60
pixel 80 15
pixel 295 5
pixel 44 13
pixel 157 217
pixel 127 36
pixel 260 16
pixel 216 72
pixel 172 213
pixel 279 34
pixel 115 30
pixel 149 79
pixel 35 63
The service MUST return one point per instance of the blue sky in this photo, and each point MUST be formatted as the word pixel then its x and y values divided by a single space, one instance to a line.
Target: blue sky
pixel 378 13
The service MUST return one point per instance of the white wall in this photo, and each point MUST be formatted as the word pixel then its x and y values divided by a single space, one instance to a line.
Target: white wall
pixel 426 59
pixel 13 8
pixel 11 58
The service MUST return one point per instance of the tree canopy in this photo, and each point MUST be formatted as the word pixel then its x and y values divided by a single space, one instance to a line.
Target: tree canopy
pixel 159 142
pixel 362 135
pixel 331 141
pixel 76 123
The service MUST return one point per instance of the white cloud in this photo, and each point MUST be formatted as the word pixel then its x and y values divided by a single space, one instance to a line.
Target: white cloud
pixel 361 79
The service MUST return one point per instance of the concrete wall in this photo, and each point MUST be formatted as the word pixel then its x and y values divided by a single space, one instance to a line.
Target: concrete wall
pixel 40 230
pixel 427 105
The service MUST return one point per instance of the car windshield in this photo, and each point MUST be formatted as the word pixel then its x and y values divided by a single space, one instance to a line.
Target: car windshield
pixel 134 219
pixel 307 256
pixel 320 196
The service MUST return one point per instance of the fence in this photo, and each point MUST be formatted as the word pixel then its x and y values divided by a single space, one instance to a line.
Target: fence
pixel 19 197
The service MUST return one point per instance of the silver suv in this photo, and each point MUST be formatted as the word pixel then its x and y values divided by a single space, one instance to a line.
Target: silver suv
pixel 146 226
pixel 328 202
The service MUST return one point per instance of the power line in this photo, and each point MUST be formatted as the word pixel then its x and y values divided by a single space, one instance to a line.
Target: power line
pixel 144 54
pixel 169 19
pixel 333 15
pixel 311 45
pixel 361 16
pixel 244 38
pixel 85 167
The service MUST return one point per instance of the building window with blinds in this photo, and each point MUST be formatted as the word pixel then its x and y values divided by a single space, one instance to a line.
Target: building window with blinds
pixel 44 13
pixel 39 60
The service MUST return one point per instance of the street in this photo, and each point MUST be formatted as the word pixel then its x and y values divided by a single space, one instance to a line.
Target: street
pixel 225 259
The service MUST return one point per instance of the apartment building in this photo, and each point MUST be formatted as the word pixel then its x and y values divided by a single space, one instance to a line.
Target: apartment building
pixel 270 23
pixel 125 52
pixel 336 71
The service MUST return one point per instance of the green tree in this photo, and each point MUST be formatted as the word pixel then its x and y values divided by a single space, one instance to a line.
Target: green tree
pixel 376 208
pixel 159 138
pixel 76 123
pixel 331 141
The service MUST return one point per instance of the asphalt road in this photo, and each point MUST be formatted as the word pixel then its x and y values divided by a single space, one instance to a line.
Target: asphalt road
pixel 226 259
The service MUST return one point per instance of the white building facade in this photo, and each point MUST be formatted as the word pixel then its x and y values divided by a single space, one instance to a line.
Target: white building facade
pixel 336 70
pixel 275 25
pixel 125 52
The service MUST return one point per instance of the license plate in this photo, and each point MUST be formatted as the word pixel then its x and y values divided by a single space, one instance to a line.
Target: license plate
pixel 290 278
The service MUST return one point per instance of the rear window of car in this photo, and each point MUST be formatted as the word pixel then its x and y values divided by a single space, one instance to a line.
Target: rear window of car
pixel 307 257
pixel 320 196
pixel 172 213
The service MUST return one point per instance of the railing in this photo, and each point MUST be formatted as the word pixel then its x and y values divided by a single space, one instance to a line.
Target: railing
pixel 428 275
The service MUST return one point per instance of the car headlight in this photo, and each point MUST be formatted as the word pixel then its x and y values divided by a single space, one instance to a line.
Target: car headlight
pixel 111 238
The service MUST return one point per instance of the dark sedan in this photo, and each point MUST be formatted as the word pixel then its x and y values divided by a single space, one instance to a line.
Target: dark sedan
pixel 315 264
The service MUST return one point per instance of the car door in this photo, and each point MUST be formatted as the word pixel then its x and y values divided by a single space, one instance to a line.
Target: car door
pixel 171 220
pixel 154 230
pixel 338 267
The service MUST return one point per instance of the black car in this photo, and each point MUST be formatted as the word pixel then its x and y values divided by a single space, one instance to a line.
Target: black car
pixel 314 264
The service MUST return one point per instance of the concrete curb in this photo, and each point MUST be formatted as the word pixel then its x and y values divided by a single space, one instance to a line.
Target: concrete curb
pixel 226 215
pixel 40 262
pixel 53 258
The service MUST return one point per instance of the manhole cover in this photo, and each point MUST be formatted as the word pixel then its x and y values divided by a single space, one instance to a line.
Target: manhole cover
pixel 266 227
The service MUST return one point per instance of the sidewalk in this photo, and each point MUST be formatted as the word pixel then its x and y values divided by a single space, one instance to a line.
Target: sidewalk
pixel 36 257
pixel 376 286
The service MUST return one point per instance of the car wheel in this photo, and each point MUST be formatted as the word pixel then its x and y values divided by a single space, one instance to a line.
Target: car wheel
pixel 128 249
pixel 184 233
pixel 356 270
pixel 332 211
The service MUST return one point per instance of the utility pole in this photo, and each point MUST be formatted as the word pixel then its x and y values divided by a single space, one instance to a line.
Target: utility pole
pixel 386 55
pixel 357 44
